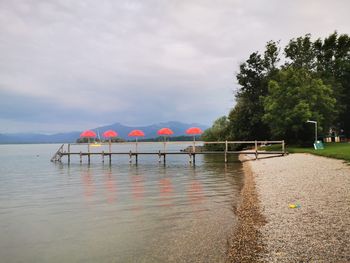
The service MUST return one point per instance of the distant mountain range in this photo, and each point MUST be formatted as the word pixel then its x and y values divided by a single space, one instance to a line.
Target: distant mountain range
pixel 150 131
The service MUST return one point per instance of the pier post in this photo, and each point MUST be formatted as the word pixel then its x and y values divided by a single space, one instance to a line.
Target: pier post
pixel 164 158
pixel 283 148
pixel 136 158
pixel 103 156
pixel 194 158
pixel 88 158
pixel 81 155
pixel 110 158
pixel 226 147
pixel 159 157
pixel 130 157
pixel 68 153
pixel 190 158
pixel 256 150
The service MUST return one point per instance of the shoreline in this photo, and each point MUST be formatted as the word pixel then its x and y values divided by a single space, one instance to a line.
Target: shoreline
pixel 317 230
pixel 246 244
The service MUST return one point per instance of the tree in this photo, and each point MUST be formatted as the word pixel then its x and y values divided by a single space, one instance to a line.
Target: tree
pixel 300 53
pixel 246 121
pixel 328 59
pixel 294 97
pixel 218 131
pixel 276 100
pixel 246 117
pixel 333 66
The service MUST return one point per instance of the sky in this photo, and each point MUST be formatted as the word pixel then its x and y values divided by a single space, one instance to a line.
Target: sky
pixel 72 65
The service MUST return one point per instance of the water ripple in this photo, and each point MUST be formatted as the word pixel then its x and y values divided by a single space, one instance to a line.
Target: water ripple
pixel 121 210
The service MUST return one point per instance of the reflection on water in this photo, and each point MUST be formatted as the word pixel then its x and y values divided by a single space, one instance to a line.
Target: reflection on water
pixel 195 192
pixel 166 192
pixel 117 213
pixel 111 188
pixel 137 187
pixel 88 183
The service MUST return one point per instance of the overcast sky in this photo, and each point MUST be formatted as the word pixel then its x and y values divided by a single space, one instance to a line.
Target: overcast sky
pixel 71 65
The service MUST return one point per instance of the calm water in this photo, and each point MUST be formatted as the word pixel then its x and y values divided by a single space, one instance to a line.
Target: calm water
pixel 119 213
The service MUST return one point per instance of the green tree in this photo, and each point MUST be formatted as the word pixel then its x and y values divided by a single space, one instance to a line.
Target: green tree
pixel 328 59
pixel 218 131
pixel 246 121
pixel 276 100
pixel 294 97
pixel 300 53
pixel 333 66
pixel 246 117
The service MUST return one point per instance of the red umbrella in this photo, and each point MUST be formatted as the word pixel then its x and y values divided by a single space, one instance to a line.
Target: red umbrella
pixel 110 134
pixel 194 131
pixel 164 132
pixel 136 133
pixel 88 134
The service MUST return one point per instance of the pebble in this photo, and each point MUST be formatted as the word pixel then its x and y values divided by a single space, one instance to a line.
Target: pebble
pixel 319 230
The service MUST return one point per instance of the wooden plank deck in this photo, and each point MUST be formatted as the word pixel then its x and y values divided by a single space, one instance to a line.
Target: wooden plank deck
pixel 61 152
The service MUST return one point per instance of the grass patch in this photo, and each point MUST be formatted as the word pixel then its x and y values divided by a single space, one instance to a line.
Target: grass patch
pixel 332 150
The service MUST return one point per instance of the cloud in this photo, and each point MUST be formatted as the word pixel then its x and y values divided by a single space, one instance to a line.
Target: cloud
pixel 137 62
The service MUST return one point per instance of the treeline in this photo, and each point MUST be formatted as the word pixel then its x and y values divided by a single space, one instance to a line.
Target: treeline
pixel 280 89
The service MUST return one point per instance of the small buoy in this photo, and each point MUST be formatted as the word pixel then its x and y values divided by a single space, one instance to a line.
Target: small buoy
pixel 294 206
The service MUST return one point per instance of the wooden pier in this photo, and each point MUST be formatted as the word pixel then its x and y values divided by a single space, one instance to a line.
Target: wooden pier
pixel 67 150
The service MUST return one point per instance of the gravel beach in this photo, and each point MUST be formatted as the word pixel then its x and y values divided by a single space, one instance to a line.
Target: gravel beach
pixel 318 230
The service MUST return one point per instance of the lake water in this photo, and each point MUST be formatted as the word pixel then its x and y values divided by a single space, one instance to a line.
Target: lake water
pixel 121 212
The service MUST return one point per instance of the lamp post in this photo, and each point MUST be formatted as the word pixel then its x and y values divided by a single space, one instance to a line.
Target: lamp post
pixel 314 122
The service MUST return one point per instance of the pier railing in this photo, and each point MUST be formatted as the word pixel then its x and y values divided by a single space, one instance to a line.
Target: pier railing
pixel 251 147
